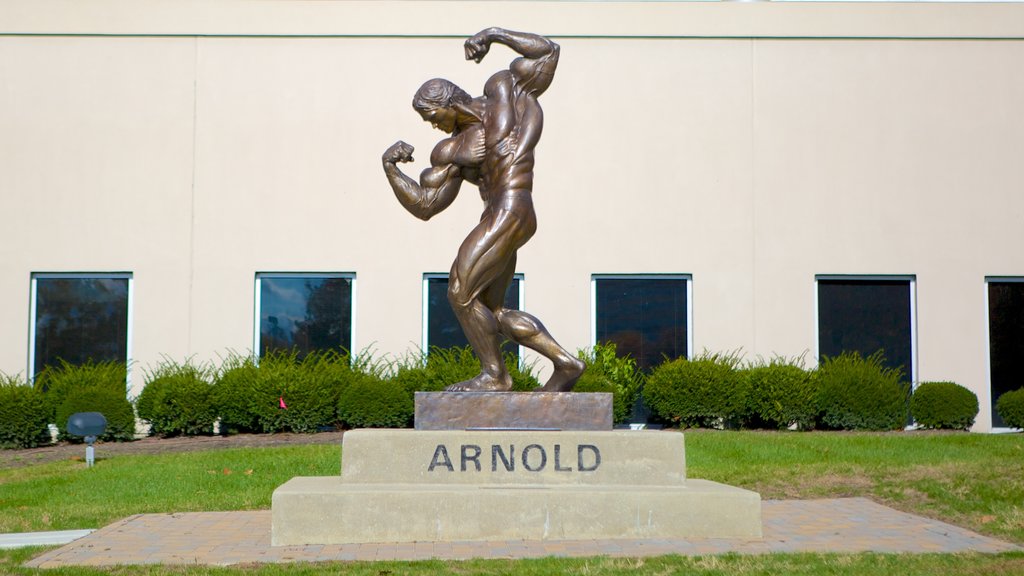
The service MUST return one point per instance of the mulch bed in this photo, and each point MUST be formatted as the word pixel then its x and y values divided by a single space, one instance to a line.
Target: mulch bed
pixel 67 451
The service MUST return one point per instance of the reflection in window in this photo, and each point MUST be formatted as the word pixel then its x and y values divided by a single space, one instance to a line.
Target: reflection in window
pixel 867 315
pixel 79 319
pixel 305 313
pixel 442 329
pixel 646 317
pixel 1006 339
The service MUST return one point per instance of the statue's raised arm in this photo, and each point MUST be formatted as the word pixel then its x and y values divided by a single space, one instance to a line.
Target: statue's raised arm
pixel 534 71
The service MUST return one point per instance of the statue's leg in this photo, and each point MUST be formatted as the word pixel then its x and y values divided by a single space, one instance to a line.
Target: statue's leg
pixel 480 267
pixel 527 330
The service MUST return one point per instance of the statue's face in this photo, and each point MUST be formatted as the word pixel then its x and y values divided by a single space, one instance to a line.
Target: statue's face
pixel 441 118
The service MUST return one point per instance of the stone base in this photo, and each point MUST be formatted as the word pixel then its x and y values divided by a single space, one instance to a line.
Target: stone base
pixel 325 510
pixel 513 411
pixel 452 485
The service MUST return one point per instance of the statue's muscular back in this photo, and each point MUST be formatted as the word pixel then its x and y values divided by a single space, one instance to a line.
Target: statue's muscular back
pixel 496 154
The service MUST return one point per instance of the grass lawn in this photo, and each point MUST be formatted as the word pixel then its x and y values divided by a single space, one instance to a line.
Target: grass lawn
pixel 65 495
pixel 728 565
pixel 971 480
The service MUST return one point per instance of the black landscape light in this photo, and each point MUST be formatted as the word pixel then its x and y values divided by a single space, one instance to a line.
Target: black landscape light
pixel 88 425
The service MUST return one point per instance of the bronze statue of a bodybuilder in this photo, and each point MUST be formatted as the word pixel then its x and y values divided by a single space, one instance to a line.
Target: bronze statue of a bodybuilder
pixel 492 144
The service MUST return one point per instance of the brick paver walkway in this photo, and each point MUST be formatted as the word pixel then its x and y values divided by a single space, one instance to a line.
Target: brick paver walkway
pixel 837 525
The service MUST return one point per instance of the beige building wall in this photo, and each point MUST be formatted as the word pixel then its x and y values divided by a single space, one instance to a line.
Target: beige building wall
pixel 753 147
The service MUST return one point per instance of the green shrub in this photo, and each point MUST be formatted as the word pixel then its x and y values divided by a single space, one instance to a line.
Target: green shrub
pixel 608 372
pixel 281 392
pixel 781 394
pixel 178 400
pixel 943 405
pixel 369 402
pixel 235 394
pixel 23 415
pixel 56 382
pixel 446 366
pixel 597 382
pixel 857 393
pixel 312 397
pixel 112 404
pixel 1010 406
pixel 705 391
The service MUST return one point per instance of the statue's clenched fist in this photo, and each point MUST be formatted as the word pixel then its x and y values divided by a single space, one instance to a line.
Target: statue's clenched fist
pixel 398 152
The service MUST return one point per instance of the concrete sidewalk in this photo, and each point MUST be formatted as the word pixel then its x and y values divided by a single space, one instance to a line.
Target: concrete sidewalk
pixel 53 538
pixel 221 538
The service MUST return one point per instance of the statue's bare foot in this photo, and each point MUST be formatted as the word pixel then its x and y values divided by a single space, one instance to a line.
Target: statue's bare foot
pixel 566 373
pixel 482 383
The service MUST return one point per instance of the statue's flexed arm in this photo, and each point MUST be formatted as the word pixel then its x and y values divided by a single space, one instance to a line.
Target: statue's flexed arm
pixel 534 71
pixel 436 190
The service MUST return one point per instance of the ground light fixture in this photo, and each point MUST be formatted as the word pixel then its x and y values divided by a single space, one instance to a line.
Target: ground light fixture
pixel 89 425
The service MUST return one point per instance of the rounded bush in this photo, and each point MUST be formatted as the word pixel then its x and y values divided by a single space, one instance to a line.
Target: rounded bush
pixel 23 415
pixel 56 382
pixel 1011 408
pixel 856 393
pixel 705 391
pixel 943 405
pixel 369 402
pixel 311 396
pixel 113 405
pixel 781 394
pixel 236 396
pixel 177 400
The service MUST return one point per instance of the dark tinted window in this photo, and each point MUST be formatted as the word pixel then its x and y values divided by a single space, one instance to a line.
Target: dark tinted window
pixel 80 319
pixel 305 313
pixel 443 330
pixel 644 317
pixel 866 316
pixel 1006 339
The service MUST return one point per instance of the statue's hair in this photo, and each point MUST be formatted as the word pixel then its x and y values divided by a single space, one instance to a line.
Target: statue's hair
pixel 438 93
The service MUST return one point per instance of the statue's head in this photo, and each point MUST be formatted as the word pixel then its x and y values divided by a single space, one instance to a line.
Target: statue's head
pixel 436 101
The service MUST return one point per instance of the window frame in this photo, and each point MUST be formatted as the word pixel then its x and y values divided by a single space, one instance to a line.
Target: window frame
pixel 257 303
pixel 425 307
pixel 34 309
pixel 688 278
pixel 911 279
pixel 988 349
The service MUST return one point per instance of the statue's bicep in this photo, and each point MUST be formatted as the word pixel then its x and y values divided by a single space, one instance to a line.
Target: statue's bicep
pixel 534 75
pixel 436 176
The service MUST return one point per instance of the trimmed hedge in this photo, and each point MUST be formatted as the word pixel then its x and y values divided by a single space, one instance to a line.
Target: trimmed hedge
pixel 280 392
pixel 781 394
pixel 609 372
pixel 178 400
pixel 1010 406
pixel 857 393
pixel 944 405
pixel 706 391
pixel 369 402
pixel 112 404
pixel 24 415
